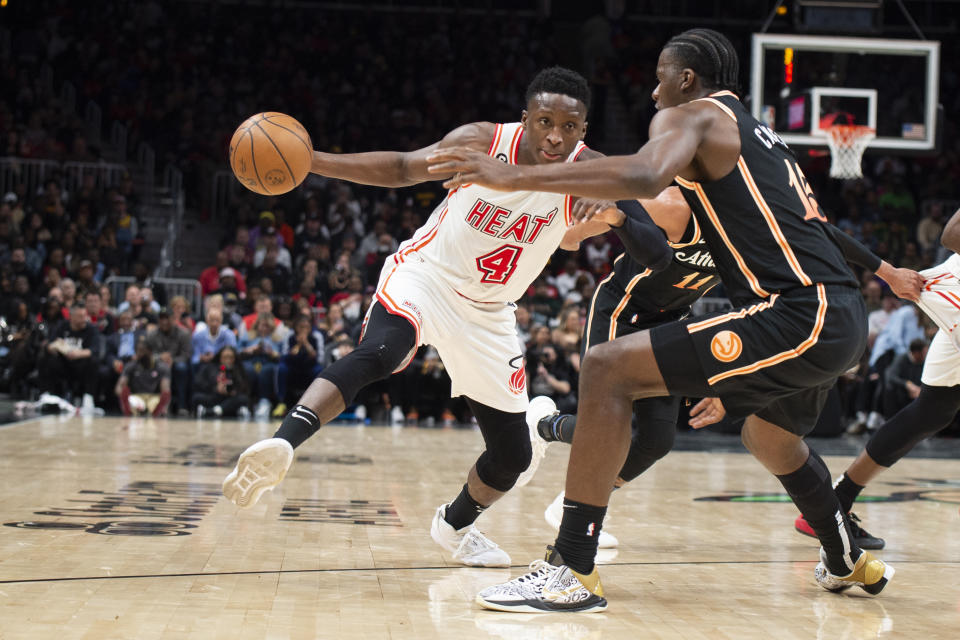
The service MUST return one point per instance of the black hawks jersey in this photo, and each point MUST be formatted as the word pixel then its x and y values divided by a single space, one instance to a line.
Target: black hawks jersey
pixel 649 297
pixel 761 220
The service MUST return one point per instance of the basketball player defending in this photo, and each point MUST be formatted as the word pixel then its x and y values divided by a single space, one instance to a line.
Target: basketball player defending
pixel 452 285
pixel 632 298
pixel 939 398
pixel 800 320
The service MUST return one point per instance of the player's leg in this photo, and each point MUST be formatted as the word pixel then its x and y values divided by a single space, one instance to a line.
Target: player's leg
pixel 481 352
pixel 932 411
pixel 505 456
pixel 653 429
pixel 612 376
pixel 387 342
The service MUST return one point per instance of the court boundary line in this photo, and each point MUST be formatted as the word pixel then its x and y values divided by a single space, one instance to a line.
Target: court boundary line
pixel 432 568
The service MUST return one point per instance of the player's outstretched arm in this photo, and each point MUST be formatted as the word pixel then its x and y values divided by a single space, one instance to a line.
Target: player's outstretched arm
pixel 399 168
pixel 675 137
pixel 906 283
pixel 951 233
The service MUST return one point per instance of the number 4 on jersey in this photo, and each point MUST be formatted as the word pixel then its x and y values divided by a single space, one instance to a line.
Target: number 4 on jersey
pixel 498 265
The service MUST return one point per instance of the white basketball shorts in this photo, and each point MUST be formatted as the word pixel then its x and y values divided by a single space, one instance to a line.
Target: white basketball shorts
pixel 940 300
pixel 477 341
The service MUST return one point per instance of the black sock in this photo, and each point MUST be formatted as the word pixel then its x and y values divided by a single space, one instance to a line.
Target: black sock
pixel 558 427
pixel 809 486
pixel 298 425
pixel 463 511
pixel 847 491
pixel 579 534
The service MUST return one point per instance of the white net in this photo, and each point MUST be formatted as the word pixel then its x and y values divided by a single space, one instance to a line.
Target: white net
pixel 847 143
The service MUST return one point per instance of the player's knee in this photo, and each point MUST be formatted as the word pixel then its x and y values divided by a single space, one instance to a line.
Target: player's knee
pixel 505 458
pixel 597 364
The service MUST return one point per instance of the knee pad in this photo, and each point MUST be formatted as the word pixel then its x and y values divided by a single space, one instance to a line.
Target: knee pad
pixel 508 449
pixel 651 442
pixel 388 344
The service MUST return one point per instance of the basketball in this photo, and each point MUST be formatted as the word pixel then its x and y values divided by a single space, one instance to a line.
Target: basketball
pixel 270 153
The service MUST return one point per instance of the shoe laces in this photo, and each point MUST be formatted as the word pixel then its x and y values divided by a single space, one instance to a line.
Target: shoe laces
pixel 474 542
pixel 533 581
pixel 855 527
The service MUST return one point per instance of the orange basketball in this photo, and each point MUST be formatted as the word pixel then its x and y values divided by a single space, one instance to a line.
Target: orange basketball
pixel 270 153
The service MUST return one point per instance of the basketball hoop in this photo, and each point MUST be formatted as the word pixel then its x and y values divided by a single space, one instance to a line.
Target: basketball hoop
pixel 847 143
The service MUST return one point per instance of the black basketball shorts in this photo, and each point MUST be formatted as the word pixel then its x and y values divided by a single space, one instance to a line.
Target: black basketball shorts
pixel 612 316
pixel 776 358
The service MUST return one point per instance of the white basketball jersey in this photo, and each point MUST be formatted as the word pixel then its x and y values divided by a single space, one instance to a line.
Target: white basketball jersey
pixel 490 245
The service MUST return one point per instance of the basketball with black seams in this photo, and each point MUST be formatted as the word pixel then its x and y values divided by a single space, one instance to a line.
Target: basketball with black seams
pixel 270 153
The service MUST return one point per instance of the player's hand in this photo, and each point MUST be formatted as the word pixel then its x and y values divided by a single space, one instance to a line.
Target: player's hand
pixel 706 412
pixel 586 209
pixel 906 283
pixel 467 166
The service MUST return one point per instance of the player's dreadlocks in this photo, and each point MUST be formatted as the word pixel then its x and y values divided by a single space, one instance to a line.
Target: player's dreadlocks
pixel 560 80
pixel 711 55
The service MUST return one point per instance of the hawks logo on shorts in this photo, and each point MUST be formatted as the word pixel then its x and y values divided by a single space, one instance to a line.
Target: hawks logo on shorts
pixel 518 379
pixel 726 346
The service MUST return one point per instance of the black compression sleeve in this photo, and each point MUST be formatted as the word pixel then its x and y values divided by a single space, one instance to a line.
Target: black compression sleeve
pixel 643 240
pixel 853 250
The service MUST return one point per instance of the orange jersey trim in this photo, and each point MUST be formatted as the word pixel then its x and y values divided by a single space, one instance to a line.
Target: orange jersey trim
pixel 694 327
pixel 786 355
pixel 725 108
pixel 515 144
pixel 715 220
pixel 623 302
pixel 772 223
pixel 496 140
pixel 390 305
pixel 593 302
pixel 427 238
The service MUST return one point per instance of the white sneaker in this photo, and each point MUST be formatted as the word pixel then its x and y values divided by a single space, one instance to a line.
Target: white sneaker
pixel 217 410
pixel 549 586
pixel 539 408
pixel 201 411
pixel 360 412
pixel 467 545
pixel 243 414
pixel 87 408
pixel 262 412
pixel 554 514
pixel 396 415
pixel 260 468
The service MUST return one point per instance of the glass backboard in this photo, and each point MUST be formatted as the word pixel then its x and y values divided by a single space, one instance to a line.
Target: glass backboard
pixel 800 83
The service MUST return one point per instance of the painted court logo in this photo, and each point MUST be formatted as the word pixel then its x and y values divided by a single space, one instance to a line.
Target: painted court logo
pixel 726 346
pixel 518 379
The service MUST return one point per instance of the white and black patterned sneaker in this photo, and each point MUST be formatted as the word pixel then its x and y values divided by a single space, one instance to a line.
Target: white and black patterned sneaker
pixel 538 409
pixel 869 573
pixel 260 468
pixel 467 545
pixel 549 586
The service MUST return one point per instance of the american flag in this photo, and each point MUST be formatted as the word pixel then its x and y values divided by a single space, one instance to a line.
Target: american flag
pixel 914 131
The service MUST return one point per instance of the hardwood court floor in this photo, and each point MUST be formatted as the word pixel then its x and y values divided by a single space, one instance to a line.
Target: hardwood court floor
pixel 342 548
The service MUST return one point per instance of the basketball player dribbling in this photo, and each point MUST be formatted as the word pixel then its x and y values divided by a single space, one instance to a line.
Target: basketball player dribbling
pixel 452 285
pixel 939 398
pixel 799 319
pixel 632 298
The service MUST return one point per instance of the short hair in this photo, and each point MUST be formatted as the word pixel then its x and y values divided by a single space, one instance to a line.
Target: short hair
pixel 560 80
pixel 917 344
pixel 711 56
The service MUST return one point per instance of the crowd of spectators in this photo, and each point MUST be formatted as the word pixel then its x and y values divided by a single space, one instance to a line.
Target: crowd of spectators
pixel 287 290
